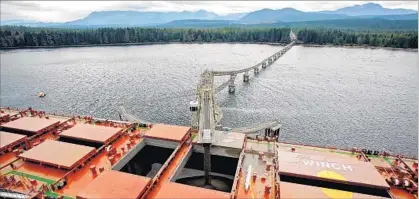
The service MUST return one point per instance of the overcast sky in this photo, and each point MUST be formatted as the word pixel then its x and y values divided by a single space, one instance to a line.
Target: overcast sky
pixel 61 11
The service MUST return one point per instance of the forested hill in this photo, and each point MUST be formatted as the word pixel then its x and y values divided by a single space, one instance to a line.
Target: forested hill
pixel 19 37
pixel 352 24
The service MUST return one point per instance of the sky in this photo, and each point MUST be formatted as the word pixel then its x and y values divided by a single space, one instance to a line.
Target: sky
pixel 62 11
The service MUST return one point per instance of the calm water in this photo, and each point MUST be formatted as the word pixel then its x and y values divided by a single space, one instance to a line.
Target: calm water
pixel 323 96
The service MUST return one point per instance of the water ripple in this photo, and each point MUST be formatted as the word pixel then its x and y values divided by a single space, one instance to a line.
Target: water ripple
pixel 323 96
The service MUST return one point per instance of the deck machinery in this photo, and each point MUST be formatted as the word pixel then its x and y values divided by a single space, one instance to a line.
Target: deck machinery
pixel 115 156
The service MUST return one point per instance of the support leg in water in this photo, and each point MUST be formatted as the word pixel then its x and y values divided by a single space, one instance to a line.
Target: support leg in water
pixel 207 164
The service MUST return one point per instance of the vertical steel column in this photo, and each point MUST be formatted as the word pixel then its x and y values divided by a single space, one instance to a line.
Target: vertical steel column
pixel 207 163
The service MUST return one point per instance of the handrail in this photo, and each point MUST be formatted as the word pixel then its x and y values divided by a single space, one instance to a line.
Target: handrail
pixel 130 117
pixel 255 128
pixel 233 193
pixel 235 72
pixel 222 86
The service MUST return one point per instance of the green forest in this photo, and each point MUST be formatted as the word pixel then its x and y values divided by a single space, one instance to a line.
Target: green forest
pixel 19 37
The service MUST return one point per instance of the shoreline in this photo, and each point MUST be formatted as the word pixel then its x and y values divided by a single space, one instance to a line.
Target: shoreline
pixel 163 43
pixel 358 46
pixel 135 44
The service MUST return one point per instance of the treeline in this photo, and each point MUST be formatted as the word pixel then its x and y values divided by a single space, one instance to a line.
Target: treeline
pixel 38 37
pixel 15 37
pixel 378 39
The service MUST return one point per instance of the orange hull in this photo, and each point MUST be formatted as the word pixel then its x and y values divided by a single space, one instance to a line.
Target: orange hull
pixel 41 165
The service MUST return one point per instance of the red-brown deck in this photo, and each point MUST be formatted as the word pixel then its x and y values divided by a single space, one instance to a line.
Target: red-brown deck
pixel 31 124
pixel 7 158
pixel 93 133
pixel 80 179
pixel 115 184
pixel 320 164
pixel 59 154
pixel 8 140
pixel 344 170
pixel 169 171
pixel 176 190
pixel 298 191
pixel 168 132
pixel 398 193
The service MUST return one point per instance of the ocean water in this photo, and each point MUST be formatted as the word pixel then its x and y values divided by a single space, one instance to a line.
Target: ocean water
pixel 328 96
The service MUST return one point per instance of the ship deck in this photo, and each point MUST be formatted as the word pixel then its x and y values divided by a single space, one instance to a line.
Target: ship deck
pixel 91 133
pixel 57 154
pixel 167 132
pixel 9 140
pixel 30 125
pixel 107 170
pixel 6 114
pixel 114 184
pixel 288 190
pixel 321 165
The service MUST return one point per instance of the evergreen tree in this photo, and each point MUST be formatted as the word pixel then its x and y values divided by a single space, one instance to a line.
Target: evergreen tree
pixel 19 36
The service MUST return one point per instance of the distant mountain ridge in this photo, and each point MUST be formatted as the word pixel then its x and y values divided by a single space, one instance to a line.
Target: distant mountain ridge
pixel 264 16
pixel 357 23
pixel 370 9
pixel 18 22
pixel 131 18
pixel 288 15
pixel 140 18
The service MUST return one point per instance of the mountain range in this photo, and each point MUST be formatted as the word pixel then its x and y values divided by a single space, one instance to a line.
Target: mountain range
pixel 353 24
pixel 368 11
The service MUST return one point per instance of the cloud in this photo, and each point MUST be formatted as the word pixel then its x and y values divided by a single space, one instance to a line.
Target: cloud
pixel 413 5
pixel 21 4
pixel 61 11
